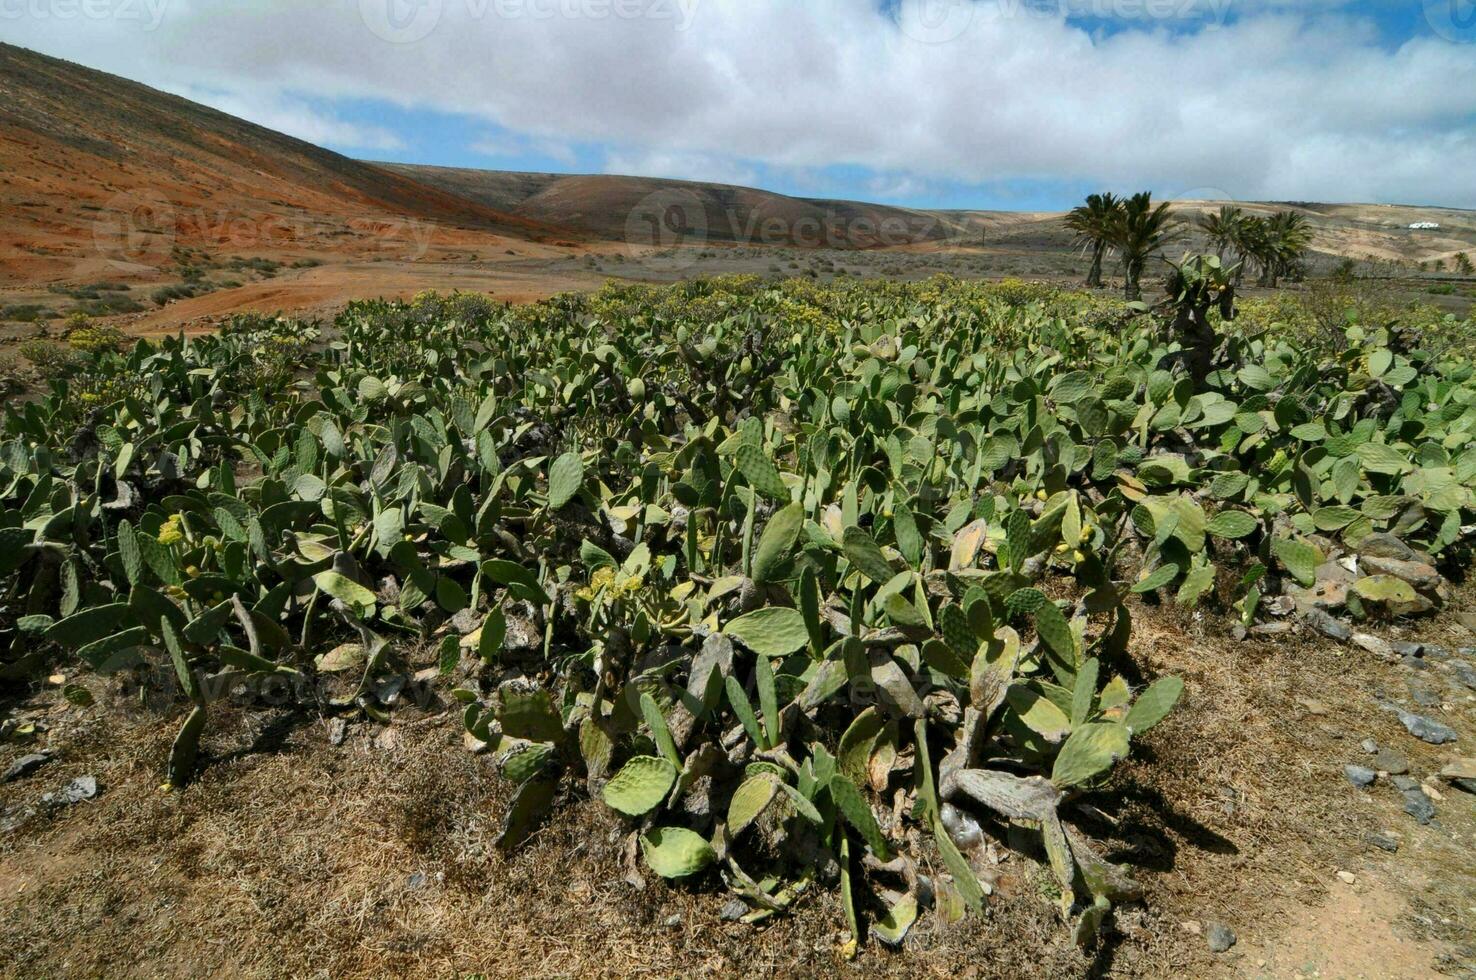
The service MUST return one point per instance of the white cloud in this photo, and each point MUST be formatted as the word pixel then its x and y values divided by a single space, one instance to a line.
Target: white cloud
pixel 295 118
pixel 891 187
pixel 511 146
pixel 1282 101
pixel 688 166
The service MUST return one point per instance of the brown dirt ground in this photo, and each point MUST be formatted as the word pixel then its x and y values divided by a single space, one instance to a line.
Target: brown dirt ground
pixel 291 857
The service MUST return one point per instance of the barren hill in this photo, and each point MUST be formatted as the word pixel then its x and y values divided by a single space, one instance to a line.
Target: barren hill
pixel 621 209
pixel 96 167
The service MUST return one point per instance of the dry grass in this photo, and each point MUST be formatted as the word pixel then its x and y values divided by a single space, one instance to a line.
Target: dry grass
pixel 291 857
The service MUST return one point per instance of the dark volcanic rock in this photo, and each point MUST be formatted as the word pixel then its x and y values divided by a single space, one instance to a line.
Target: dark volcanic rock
pixel 1427 729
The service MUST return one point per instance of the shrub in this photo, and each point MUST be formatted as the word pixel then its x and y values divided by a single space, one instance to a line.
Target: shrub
pixel 14 376
pixel 27 313
pixel 168 294
pixel 50 359
pixel 95 338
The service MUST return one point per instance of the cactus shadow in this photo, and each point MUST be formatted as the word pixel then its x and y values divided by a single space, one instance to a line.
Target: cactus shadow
pixel 1152 830
pixel 271 739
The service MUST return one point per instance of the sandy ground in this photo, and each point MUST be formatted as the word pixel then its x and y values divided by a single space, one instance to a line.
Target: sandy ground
pixel 522 272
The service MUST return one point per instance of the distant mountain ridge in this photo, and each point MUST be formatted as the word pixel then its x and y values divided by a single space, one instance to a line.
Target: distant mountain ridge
pixel 614 207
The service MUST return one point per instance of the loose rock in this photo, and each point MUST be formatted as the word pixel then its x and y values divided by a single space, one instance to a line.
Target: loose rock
pixel 1360 776
pixel 1418 805
pixel 1424 695
pixel 1327 624
pixel 1464 673
pixel 1387 760
pixel 1282 605
pixel 1330 596
pixel 1374 645
pixel 1427 729
pixel 25 765
pixel 1219 937
pixel 1460 773
pixel 466 621
pixel 1385 840
pixel 1384 545
pixel 79 789
pixel 1271 629
pixel 1369 745
pixel 1418 574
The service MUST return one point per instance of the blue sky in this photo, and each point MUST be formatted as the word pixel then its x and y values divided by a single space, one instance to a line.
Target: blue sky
pixel 1014 104
pixel 440 139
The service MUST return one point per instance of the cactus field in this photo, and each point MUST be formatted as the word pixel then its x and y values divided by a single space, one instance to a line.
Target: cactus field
pixel 817 588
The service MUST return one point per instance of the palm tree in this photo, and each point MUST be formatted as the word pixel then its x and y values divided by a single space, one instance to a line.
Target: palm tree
pixel 1220 227
pixel 1092 223
pixel 1139 230
pixel 1287 235
pixel 1248 238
